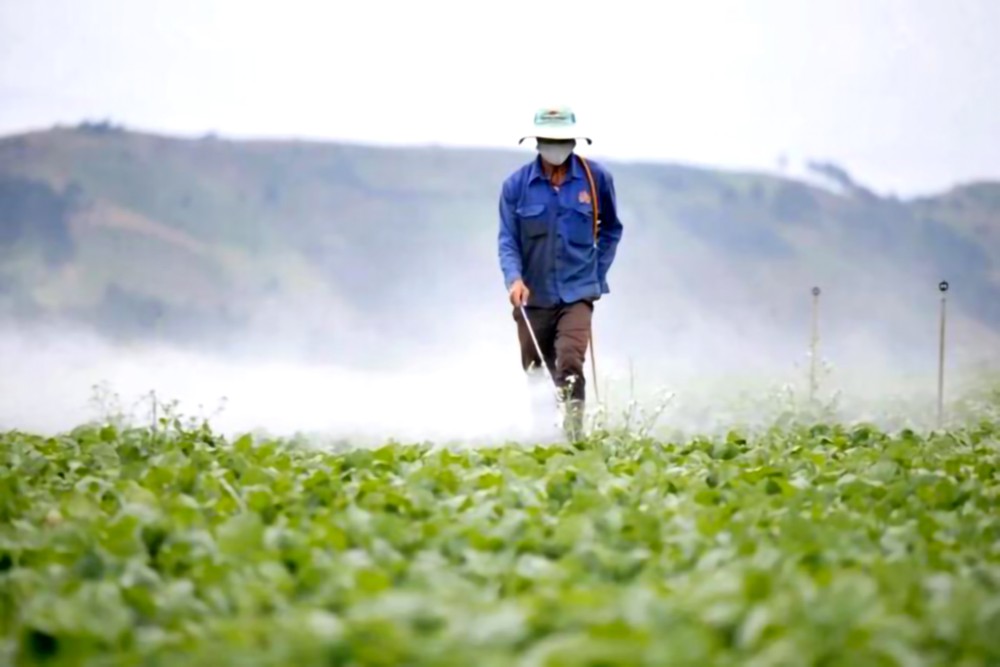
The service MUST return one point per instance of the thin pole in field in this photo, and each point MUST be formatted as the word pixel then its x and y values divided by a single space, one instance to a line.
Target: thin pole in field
pixel 943 288
pixel 814 345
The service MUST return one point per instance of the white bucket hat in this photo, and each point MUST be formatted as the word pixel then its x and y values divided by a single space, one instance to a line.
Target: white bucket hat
pixel 555 123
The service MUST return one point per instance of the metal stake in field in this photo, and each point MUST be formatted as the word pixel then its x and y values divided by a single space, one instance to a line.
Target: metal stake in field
pixel 943 288
pixel 814 344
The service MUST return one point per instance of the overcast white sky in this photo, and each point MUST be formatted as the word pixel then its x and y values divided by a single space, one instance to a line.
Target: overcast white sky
pixel 903 93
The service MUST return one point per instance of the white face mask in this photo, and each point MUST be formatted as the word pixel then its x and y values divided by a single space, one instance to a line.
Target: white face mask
pixel 556 154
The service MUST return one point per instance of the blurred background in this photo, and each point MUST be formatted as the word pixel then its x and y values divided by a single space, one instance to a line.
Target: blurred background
pixel 291 208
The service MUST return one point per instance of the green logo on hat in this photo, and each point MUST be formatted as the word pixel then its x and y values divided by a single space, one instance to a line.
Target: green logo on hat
pixel 556 116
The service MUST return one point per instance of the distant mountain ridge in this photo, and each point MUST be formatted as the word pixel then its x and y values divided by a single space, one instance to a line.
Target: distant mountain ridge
pixel 202 241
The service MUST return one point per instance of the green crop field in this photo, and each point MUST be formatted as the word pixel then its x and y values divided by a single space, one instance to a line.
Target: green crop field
pixel 804 544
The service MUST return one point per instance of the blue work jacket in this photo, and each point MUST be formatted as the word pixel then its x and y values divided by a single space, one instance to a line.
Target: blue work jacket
pixel 546 234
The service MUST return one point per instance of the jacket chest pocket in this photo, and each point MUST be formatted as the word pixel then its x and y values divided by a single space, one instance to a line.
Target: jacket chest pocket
pixel 580 224
pixel 534 221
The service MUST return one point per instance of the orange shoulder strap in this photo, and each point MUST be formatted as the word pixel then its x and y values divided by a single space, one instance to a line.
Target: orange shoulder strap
pixel 593 193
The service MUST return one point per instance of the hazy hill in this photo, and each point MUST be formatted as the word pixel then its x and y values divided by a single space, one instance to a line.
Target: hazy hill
pixel 368 254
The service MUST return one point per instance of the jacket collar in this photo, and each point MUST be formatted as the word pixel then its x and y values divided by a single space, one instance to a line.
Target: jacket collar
pixel 536 171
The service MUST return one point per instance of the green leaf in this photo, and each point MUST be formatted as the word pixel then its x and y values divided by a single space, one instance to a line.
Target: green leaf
pixel 240 535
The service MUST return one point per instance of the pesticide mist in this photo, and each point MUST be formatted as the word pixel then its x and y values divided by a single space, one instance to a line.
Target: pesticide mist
pixel 706 375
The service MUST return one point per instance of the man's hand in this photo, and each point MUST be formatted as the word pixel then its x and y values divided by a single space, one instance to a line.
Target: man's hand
pixel 519 293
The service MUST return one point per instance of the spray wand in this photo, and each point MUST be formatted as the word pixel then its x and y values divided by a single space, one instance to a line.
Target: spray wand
pixel 538 348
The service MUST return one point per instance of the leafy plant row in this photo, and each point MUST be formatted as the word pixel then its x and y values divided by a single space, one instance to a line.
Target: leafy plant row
pixel 806 545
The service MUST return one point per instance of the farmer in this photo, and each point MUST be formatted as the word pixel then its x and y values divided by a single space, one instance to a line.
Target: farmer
pixel 555 252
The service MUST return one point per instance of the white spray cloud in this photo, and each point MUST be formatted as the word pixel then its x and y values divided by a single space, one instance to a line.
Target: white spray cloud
pixel 54 380
pixel 716 378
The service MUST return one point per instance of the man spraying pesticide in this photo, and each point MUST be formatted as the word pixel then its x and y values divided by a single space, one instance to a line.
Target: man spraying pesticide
pixel 559 231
